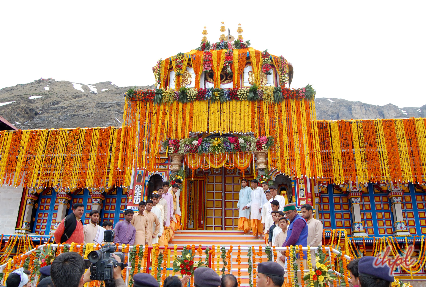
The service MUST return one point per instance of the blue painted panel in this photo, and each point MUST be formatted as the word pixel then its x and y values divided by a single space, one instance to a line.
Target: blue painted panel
pixel 114 205
pixel 45 211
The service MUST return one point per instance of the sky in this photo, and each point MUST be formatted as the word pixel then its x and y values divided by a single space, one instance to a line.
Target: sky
pixel 368 51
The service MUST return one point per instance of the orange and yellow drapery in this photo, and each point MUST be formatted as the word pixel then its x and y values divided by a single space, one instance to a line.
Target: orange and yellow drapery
pixel 64 158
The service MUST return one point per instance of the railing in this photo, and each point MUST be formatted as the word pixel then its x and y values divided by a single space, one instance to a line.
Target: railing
pixel 223 259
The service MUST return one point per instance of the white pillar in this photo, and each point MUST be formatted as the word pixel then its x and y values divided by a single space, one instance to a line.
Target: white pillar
pixel 30 201
pixel 357 226
pixel 62 199
pixel 400 227
pixel 97 199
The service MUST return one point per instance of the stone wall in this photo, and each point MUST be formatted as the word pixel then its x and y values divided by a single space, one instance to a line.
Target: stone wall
pixel 10 199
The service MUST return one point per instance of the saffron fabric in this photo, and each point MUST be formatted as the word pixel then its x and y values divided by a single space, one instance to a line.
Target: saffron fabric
pixel 125 233
pixel 77 236
pixel 243 224
pixel 256 227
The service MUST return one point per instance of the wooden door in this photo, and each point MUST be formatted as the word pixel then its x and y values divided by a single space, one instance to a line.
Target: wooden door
pixel 222 190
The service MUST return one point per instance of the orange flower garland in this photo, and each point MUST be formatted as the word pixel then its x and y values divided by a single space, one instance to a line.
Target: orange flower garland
pixel 239 265
pixel 254 267
pixel 302 271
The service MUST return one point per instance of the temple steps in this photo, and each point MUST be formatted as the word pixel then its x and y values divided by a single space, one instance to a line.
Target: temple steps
pixel 223 238
pixel 214 237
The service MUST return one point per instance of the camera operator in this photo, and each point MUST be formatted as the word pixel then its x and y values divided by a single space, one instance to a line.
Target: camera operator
pixel 68 271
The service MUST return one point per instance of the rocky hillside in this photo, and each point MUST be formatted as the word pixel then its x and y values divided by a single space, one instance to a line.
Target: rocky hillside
pixel 60 104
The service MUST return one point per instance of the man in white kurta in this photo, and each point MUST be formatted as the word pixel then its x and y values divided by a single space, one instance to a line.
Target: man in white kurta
pixel 258 199
pixel 159 212
pixel 266 213
pixel 91 230
pixel 164 204
pixel 277 197
pixel 244 213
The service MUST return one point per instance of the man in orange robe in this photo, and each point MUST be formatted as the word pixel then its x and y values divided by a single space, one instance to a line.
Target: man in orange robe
pixel 71 228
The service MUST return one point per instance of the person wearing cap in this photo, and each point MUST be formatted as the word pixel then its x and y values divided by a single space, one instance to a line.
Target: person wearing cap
pixel 44 272
pixel 206 277
pixel 244 213
pixel 297 233
pixel 46 282
pixel 270 274
pixel 277 197
pixel 371 275
pixel 257 200
pixel 144 280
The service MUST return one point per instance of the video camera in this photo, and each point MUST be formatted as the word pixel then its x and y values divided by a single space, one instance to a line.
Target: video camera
pixel 103 263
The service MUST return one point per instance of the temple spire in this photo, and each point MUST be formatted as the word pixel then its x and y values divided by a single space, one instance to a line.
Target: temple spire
pixel 222 29
pixel 204 40
pixel 240 31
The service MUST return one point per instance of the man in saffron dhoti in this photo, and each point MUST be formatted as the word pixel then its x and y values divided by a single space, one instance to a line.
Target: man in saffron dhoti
pixel 243 200
pixel 258 199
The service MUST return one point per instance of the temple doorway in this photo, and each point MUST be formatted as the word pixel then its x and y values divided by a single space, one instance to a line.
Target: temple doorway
pixel 222 187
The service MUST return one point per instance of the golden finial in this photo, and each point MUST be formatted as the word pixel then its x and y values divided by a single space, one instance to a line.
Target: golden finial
pixel 240 31
pixel 222 29
pixel 204 40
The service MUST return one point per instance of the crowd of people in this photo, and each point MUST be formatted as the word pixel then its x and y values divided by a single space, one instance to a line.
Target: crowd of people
pixel 146 227
pixel 261 209
pixel 268 214
pixel 69 270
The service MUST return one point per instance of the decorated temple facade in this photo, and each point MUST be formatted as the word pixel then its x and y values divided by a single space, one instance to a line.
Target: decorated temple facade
pixel 222 112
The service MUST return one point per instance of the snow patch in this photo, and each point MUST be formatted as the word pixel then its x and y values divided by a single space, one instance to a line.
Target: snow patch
pixel 18 123
pixel 92 89
pixel 404 112
pixel 331 101
pixel 35 97
pixel 46 88
pixel 419 110
pixel 6 103
pixel 78 87
pixel 103 90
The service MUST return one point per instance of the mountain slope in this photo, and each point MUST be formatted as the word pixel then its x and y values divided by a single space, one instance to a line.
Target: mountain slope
pixel 47 103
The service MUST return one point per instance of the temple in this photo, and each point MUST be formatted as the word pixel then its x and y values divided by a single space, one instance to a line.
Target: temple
pixel 222 112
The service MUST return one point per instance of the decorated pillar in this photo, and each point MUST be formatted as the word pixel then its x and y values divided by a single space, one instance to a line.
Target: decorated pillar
pixel 30 201
pixel 261 162
pixel 357 226
pixel 176 162
pixel 400 227
pixel 97 199
pixel 62 199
